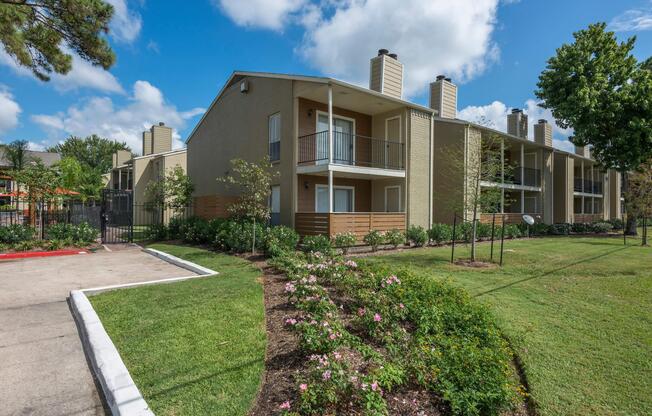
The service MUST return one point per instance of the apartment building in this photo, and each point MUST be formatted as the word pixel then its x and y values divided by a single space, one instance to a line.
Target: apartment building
pixel 355 159
pixel 134 173
pixel 8 189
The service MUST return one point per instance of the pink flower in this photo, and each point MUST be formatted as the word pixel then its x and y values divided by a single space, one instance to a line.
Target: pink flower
pixel 351 264
pixel 285 405
pixel 290 288
pixel 291 321
pixel 337 355
pixel 374 386
pixel 303 387
pixel 377 318
pixel 400 305
pixel 332 337
pixel 326 375
pixel 361 311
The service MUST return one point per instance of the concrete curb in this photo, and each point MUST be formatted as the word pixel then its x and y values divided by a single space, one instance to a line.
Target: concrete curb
pixel 121 393
pixel 195 268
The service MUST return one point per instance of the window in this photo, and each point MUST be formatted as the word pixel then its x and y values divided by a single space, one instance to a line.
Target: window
pixel 275 205
pixel 274 124
pixel 343 139
pixel 343 197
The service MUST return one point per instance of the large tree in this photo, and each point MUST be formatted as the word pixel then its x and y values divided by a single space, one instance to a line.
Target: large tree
pixel 596 86
pixel 39 33
pixel 93 152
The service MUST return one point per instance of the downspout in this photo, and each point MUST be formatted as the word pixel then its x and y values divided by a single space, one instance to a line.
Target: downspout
pixel 431 163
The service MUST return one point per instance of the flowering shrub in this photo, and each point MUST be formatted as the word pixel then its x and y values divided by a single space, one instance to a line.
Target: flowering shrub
pixel 374 238
pixel 560 229
pixel 409 331
pixel 317 244
pixel 601 227
pixel 16 233
pixel 281 238
pixel 344 241
pixel 395 237
pixel 82 233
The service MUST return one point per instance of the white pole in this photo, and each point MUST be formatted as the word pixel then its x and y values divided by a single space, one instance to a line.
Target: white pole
pixel 522 178
pixel 330 147
pixel 502 176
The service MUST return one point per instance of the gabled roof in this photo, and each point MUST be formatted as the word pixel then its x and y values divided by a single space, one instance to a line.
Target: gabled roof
pixel 237 76
pixel 48 158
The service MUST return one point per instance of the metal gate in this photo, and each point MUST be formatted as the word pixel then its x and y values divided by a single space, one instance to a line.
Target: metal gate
pixel 117 216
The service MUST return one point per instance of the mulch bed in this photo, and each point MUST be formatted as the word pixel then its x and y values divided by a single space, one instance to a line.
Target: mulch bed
pixel 285 363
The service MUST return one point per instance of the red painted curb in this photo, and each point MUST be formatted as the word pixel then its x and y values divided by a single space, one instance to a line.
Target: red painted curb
pixel 32 254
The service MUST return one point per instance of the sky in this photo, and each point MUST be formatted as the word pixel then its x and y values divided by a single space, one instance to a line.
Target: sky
pixel 172 60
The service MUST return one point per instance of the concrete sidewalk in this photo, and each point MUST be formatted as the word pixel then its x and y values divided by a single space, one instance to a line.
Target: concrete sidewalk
pixel 43 369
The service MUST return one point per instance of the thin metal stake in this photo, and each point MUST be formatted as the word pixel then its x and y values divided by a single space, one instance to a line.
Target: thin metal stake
pixel 453 239
pixel 493 233
pixel 502 241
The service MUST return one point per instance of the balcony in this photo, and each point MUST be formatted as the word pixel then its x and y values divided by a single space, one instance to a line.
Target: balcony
pixel 352 150
pixel 358 223
pixel 587 186
pixel 524 177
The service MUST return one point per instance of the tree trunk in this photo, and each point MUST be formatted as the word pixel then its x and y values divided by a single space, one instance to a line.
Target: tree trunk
pixel 630 226
pixel 644 239
pixel 474 232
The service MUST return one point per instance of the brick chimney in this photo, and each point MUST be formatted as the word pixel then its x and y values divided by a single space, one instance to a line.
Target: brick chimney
pixel 517 123
pixel 443 97
pixel 543 133
pixel 386 74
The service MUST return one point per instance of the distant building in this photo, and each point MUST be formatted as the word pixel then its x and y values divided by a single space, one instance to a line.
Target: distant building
pixel 8 188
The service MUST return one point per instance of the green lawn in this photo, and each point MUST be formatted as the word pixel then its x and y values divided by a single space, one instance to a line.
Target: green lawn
pixel 578 311
pixel 194 347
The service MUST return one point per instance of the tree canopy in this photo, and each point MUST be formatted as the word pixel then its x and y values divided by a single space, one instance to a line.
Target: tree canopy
pixel 92 152
pixel 38 34
pixel 596 86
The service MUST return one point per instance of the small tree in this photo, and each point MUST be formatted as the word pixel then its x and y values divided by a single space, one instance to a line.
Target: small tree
pixel 254 181
pixel 173 191
pixel 483 164
pixel 40 183
pixel 16 153
pixel 639 195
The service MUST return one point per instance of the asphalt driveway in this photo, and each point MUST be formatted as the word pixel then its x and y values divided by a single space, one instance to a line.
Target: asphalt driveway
pixel 43 369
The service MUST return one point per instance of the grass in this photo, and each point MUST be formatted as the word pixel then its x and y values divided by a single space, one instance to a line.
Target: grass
pixel 194 347
pixel 577 311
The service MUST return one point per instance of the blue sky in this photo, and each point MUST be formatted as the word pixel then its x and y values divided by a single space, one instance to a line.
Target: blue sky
pixel 171 60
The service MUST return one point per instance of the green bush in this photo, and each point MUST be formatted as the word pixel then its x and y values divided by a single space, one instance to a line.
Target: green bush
pixel 281 238
pixel 616 223
pixel 344 241
pixel 84 233
pixel 580 227
pixel 24 245
pixel 601 227
pixel 417 235
pixel 59 231
pixel 317 244
pixel 237 236
pixel 156 232
pixel 440 233
pixel 483 231
pixel 196 230
pixel 512 231
pixel 395 237
pixel 374 238
pixel 464 232
pixel 560 229
pixel 15 233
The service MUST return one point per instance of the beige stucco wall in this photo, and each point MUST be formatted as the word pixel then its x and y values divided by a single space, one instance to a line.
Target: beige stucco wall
pixel 237 127
pixel 547 185
pixel 418 172
pixel 378 192
pixel 448 177
pixel 614 193
pixel 563 188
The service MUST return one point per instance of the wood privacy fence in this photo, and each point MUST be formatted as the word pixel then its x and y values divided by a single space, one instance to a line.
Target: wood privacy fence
pixel 359 223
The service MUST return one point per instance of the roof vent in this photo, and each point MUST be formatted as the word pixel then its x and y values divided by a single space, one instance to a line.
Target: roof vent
pixel 542 120
pixel 160 123
pixel 382 52
pixel 440 77
pixel 448 79
pixel 393 56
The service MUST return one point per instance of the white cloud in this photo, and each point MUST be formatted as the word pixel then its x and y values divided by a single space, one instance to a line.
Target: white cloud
pixel 99 115
pixel 260 13
pixel 632 20
pixel 82 75
pixel 494 115
pixel 431 37
pixel 126 24
pixel 36 146
pixel 9 110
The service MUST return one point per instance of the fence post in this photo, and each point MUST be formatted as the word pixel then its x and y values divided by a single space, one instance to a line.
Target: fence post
pixel 502 240
pixel 453 239
pixel 624 229
pixel 493 227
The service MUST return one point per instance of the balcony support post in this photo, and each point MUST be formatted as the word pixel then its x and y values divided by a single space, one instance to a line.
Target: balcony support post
pixel 330 123
pixel 330 191
pixel 502 175
pixel 522 178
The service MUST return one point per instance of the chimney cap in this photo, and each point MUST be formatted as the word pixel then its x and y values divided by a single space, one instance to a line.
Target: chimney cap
pixel 382 52
pixel 441 77
pixel 393 56
pixel 448 79
pixel 516 110
pixel 543 121
pixel 160 123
